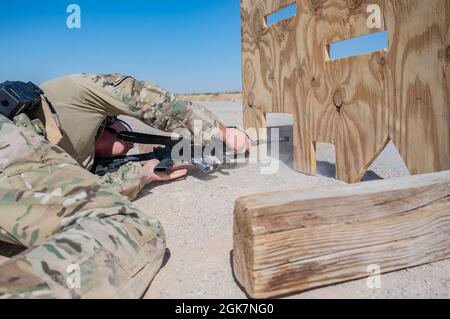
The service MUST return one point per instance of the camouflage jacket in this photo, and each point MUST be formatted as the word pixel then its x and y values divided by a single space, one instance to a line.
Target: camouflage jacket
pixel 83 101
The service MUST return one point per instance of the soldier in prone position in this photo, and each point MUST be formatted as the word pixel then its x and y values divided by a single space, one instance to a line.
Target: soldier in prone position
pixel 84 237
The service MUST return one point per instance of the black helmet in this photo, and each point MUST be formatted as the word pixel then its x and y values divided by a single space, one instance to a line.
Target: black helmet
pixel 18 97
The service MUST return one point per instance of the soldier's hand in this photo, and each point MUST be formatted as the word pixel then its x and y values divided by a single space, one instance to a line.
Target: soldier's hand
pixel 236 140
pixel 162 177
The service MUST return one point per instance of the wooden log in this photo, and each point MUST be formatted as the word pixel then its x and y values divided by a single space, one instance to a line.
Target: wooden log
pixel 287 242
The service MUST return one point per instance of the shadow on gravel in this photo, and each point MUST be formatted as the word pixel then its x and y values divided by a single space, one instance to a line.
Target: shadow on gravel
pixel 329 170
pixel 234 276
pixel 324 168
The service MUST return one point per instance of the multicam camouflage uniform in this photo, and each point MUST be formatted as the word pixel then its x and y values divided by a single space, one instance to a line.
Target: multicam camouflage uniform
pixel 161 110
pixel 84 238
pixel 83 101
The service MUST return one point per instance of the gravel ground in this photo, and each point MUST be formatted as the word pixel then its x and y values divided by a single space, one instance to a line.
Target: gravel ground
pixel 197 214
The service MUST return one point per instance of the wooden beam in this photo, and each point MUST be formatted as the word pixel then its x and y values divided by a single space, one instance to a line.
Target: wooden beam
pixel 287 242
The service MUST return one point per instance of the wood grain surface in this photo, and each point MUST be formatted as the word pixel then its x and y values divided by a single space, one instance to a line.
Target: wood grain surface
pixel 358 103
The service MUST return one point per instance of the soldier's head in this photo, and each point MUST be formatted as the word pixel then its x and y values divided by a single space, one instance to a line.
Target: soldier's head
pixel 108 144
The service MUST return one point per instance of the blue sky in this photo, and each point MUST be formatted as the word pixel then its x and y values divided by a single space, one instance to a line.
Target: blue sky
pixel 183 45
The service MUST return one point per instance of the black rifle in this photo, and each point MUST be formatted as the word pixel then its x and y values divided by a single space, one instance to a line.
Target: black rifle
pixel 103 166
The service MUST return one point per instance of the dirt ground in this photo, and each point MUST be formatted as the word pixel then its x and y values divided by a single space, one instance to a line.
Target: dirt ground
pixel 197 214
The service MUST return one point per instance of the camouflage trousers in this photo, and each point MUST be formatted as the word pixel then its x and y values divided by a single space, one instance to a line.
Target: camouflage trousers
pixel 83 239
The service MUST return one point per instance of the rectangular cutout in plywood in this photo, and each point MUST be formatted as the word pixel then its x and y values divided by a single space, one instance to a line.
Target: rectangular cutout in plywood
pixel 282 14
pixel 364 44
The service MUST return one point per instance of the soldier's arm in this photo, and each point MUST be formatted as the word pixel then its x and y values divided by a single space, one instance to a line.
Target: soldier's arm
pixel 155 106
pixel 128 180
pixel 122 95
pixel 176 113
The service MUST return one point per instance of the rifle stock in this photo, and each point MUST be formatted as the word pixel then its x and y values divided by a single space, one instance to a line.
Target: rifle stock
pixel 105 166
